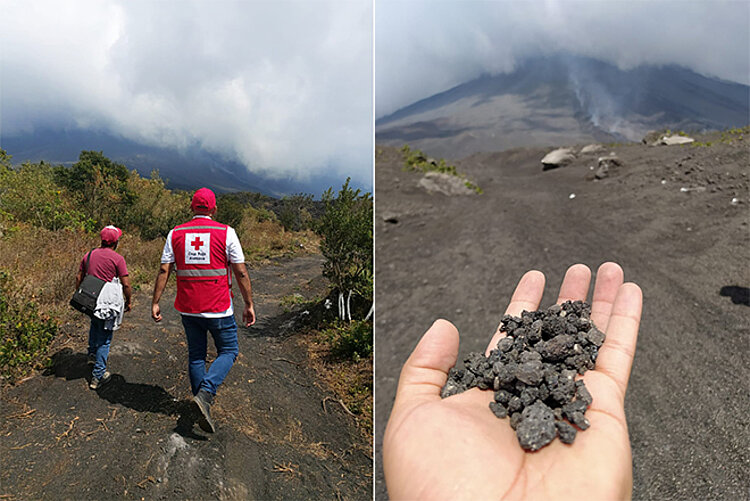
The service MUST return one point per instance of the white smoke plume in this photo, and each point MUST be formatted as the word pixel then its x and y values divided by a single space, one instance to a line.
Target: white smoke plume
pixel 425 47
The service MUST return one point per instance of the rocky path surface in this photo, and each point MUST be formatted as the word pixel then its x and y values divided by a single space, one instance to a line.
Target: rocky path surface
pixel 460 257
pixel 136 437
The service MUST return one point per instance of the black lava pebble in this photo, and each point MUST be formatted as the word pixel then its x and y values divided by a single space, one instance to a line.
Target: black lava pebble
pixel 532 372
pixel 537 427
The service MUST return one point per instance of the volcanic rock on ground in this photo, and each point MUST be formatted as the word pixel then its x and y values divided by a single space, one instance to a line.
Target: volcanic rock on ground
pixel 591 148
pixel 438 182
pixel 557 158
pixel 671 140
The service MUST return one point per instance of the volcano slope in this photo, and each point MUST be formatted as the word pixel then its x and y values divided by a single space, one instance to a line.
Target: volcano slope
pixel 460 257
pixel 136 437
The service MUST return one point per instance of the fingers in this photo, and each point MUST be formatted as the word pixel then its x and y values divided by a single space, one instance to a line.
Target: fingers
pixel 248 316
pixel 426 370
pixel 609 278
pixel 156 313
pixel 616 354
pixel 527 296
pixel 575 285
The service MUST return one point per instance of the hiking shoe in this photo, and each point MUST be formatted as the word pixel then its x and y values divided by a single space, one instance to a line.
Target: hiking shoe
pixel 203 401
pixel 97 382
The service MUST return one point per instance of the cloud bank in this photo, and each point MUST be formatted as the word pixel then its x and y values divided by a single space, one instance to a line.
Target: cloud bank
pixel 425 47
pixel 283 87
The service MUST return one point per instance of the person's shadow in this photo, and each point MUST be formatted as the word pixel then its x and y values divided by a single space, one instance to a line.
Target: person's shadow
pixel 739 295
pixel 137 396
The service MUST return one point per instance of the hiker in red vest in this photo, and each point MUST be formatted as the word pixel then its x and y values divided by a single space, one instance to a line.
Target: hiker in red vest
pixel 205 252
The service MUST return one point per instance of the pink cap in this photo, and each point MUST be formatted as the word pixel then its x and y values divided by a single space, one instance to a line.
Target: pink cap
pixel 110 234
pixel 203 200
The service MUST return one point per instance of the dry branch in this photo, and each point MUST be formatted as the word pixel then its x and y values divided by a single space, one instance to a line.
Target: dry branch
pixel 70 427
pixel 22 414
pixel 285 360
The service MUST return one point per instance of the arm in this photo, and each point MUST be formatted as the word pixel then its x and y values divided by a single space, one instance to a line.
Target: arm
pixel 161 282
pixel 126 290
pixel 79 277
pixel 243 280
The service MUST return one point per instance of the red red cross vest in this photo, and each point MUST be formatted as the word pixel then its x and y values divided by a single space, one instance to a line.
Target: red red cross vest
pixel 203 278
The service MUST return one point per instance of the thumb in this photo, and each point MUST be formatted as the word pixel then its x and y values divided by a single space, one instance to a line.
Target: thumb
pixel 426 370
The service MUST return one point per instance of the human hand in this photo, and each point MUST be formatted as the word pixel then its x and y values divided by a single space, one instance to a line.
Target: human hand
pixel 455 448
pixel 248 315
pixel 156 312
pixel 127 306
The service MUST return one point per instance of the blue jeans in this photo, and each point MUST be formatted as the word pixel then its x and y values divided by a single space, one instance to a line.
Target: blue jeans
pixel 224 332
pixel 99 341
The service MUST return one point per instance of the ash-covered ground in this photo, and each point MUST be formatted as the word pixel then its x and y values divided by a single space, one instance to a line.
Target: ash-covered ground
pixel 674 217
pixel 135 437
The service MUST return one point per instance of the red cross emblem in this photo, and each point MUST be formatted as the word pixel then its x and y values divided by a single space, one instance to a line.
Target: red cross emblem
pixel 197 243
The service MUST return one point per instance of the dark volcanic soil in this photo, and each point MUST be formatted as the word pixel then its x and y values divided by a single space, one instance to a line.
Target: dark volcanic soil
pixel 136 438
pixel 460 257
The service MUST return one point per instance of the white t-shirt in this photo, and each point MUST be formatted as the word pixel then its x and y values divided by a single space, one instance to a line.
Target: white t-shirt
pixel 234 255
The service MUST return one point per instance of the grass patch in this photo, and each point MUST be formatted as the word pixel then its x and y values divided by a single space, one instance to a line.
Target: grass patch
pixel 729 136
pixel 291 301
pixel 25 333
pixel 349 341
pixel 349 379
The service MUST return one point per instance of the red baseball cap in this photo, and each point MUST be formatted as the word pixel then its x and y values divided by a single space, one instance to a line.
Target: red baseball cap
pixel 204 199
pixel 110 234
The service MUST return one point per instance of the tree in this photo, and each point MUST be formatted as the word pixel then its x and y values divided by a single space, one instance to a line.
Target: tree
pixel 158 209
pixel 5 160
pixel 295 212
pixel 29 193
pixel 229 210
pixel 346 231
pixel 100 185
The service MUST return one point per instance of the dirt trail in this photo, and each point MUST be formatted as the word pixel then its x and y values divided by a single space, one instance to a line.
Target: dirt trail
pixel 136 438
pixel 459 257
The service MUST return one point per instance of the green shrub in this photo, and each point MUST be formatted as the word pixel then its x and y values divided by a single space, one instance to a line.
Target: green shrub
pixel 25 333
pixel 346 231
pixel 30 194
pixel 100 187
pixel 259 215
pixel 292 300
pixel 350 340
pixel 156 209
pixel 229 210
pixel 295 212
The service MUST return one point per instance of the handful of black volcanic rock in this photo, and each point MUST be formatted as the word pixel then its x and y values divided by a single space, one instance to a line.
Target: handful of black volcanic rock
pixel 532 372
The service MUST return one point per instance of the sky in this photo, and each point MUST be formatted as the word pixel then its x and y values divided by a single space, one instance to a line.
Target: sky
pixel 283 87
pixel 425 47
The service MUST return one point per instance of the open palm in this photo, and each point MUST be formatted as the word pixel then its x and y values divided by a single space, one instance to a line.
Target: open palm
pixel 455 448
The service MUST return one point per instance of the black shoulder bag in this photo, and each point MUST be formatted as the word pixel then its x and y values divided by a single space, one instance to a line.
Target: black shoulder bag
pixel 85 297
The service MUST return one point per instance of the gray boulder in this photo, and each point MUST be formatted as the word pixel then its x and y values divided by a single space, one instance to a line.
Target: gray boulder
pixel 675 139
pixel 436 182
pixel 591 148
pixel 558 158
pixel 606 166
pixel 653 137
